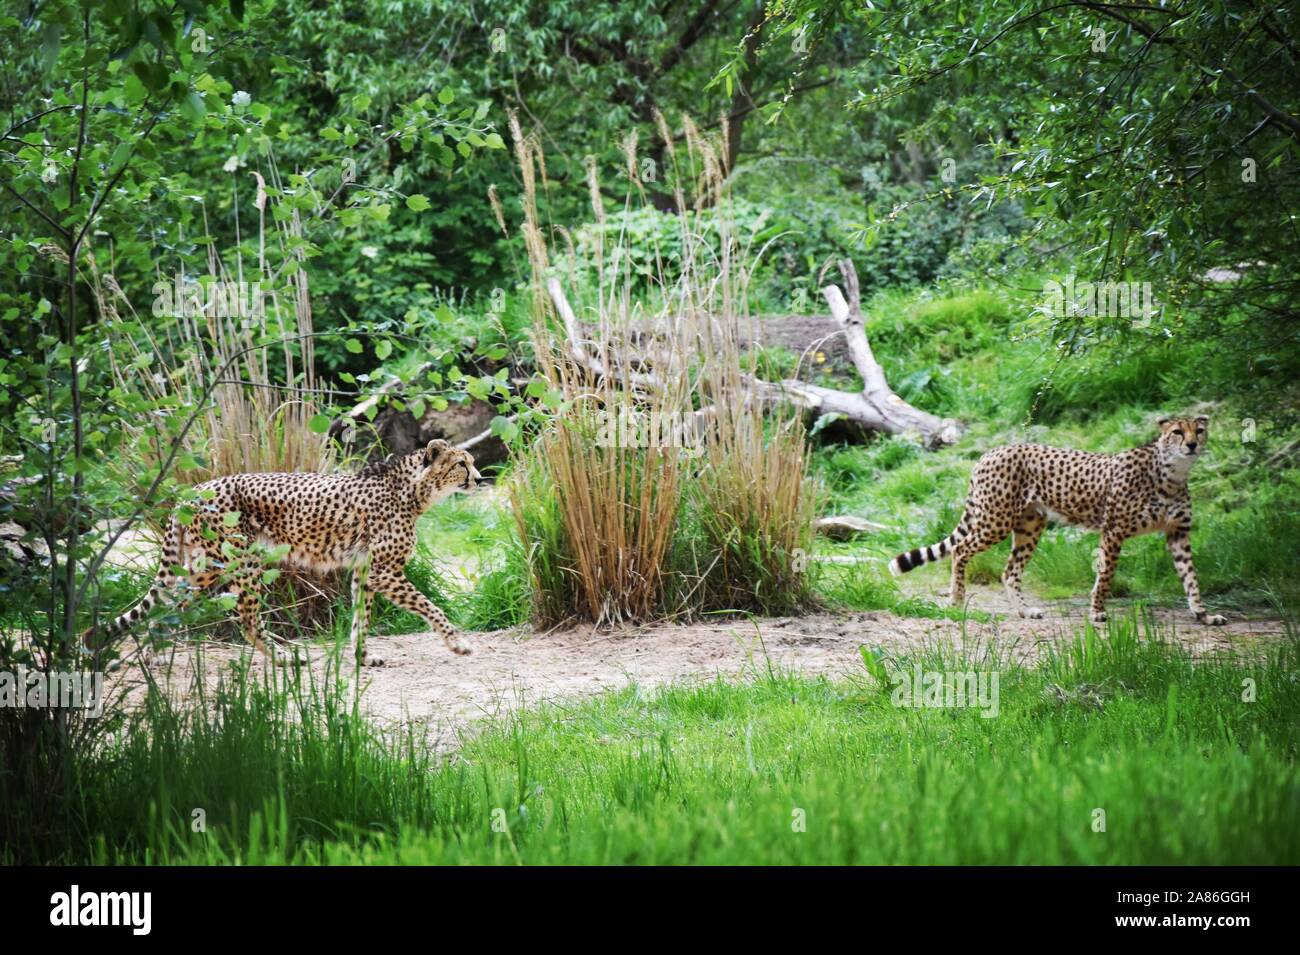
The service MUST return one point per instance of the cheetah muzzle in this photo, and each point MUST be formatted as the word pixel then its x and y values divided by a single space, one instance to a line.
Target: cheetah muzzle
pixel 364 522
pixel 1016 489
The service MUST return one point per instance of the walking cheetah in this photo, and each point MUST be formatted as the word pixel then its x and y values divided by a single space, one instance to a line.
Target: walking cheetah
pixel 1015 489
pixel 318 522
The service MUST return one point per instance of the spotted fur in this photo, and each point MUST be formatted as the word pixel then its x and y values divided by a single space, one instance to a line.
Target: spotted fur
pixel 1017 489
pixel 364 522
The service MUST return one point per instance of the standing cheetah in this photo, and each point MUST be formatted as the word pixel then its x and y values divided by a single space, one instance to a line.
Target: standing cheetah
pixel 1015 489
pixel 318 522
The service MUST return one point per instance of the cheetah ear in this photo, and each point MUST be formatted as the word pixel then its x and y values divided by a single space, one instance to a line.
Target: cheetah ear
pixel 435 448
pixel 1202 419
pixel 1163 420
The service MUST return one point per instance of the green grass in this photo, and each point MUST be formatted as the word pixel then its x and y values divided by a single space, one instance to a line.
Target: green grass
pixel 1183 768
pixel 865 587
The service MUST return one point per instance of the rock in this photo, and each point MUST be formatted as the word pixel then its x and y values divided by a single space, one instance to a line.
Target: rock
pixel 11 541
pixel 843 527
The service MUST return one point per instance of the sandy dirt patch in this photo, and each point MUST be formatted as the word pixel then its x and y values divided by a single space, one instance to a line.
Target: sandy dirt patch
pixel 422 682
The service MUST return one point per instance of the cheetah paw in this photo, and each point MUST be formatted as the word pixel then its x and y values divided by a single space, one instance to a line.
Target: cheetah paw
pixel 1211 619
pixel 287 658
pixel 1032 613
pixel 1098 616
pixel 459 647
pixel 370 660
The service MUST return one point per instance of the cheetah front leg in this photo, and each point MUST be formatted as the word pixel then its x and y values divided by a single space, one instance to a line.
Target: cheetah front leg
pixel 392 583
pixel 1107 558
pixel 1179 544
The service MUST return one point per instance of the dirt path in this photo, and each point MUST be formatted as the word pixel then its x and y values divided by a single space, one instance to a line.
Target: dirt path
pixel 423 682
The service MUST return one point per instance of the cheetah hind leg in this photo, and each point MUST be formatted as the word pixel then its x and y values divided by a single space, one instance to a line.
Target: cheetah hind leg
pixel 247 601
pixel 978 540
pixel 1025 538
pixel 361 599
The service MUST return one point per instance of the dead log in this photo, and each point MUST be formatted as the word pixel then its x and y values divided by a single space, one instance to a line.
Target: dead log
pixel 875 408
pixel 578 349
pixel 884 410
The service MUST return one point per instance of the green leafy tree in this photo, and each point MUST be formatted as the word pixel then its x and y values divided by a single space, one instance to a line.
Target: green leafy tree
pixel 128 140
pixel 1145 142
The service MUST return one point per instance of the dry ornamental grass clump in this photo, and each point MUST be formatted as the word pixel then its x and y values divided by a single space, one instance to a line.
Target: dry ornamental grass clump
pixel 661 486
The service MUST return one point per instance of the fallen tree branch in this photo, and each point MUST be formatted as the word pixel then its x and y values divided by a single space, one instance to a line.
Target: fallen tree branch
pixel 875 408
pixel 580 353
pixel 478 438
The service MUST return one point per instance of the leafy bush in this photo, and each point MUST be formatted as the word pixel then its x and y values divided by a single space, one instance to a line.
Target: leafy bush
pixel 787 239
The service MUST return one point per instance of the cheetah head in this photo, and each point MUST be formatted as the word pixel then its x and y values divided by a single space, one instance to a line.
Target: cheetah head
pixel 439 471
pixel 1182 439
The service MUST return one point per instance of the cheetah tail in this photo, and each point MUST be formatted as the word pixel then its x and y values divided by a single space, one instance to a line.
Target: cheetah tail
pixel 910 560
pixel 172 555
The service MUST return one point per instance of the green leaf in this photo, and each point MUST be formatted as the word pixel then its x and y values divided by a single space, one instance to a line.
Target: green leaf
pixel 193 107
pixel 383 348
pixel 51 41
pixel 825 420
pixel 354 346
pixel 417 203
pixel 319 424
pixel 134 90
pixel 504 428
pixel 873 660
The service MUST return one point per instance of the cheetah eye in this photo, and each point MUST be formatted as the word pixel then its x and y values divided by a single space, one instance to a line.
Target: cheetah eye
pixel 1178 431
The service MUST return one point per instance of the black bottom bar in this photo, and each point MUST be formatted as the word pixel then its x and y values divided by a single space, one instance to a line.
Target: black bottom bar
pixel 301 904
